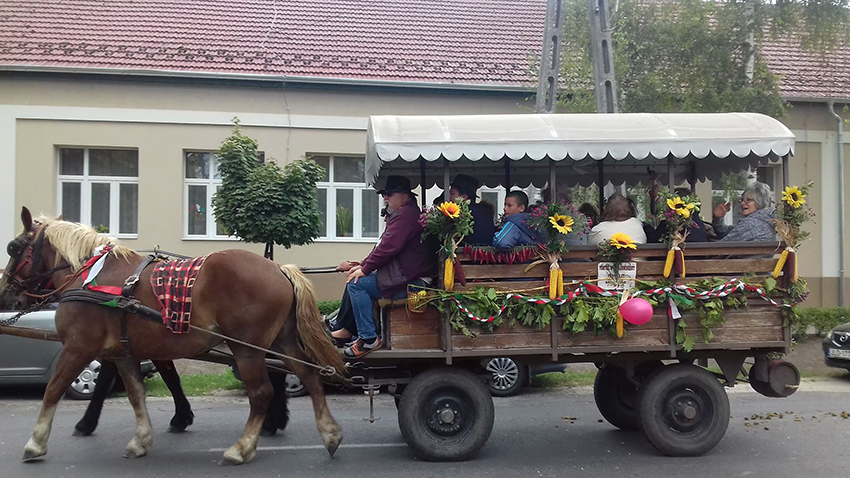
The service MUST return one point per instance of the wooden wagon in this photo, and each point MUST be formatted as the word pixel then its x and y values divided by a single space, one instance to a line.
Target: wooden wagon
pixel 650 378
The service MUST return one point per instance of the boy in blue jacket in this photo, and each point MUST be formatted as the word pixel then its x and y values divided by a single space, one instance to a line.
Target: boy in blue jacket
pixel 516 231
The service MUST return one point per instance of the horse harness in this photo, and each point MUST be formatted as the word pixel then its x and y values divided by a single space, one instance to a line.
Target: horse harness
pixel 124 302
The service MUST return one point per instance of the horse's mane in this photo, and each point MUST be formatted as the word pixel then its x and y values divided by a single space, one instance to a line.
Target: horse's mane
pixel 76 242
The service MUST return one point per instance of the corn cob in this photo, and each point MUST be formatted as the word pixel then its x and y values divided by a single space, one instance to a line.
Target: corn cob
pixel 449 275
pixel 619 325
pixel 780 263
pixel 560 282
pixel 791 267
pixel 553 283
pixel 668 264
pixel 679 262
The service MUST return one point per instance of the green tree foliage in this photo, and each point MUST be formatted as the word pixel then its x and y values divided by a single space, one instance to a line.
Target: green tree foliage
pixel 691 55
pixel 262 203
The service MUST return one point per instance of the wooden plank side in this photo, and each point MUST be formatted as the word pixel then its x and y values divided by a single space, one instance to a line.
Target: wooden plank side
pixel 634 337
pixel 404 322
pixel 502 341
pixel 505 330
pixel 415 342
pixel 762 316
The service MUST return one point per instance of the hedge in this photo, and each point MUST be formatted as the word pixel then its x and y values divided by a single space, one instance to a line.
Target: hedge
pixel 822 319
pixel 328 306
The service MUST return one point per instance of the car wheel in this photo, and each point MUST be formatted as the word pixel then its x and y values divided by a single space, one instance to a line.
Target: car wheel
pixel 505 377
pixel 294 387
pixel 83 386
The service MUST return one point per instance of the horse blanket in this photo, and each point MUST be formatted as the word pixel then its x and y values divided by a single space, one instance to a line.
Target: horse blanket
pixel 172 282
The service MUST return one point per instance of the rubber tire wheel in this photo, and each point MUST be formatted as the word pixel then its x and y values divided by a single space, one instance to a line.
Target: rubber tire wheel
pixel 457 384
pixel 655 410
pixel 616 399
pixel 521 378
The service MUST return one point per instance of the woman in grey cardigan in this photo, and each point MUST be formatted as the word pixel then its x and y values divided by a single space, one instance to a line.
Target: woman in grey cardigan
pixel 757 223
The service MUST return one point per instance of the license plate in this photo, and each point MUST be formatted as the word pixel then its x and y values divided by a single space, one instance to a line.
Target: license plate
pixel 839 354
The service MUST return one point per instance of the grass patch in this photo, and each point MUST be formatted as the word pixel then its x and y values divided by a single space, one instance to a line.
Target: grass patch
pixel 196 385
pixel 564 379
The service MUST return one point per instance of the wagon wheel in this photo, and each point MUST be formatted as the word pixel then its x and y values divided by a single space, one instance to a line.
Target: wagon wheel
pixel 446 414
pixel 683 410
pixel 616 396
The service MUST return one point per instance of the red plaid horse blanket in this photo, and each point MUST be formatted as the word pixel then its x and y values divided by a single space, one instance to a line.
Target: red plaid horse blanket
pixel 172 282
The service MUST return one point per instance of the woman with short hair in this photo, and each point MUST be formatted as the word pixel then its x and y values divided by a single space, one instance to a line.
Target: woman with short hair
pixel 617 216
pixel 757 221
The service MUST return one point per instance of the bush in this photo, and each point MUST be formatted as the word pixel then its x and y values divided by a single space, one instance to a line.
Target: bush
pixel 822 319
pixel 328 306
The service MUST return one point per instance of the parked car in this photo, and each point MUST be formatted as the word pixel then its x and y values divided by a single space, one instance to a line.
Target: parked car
pixel 836 347
pixel 26 361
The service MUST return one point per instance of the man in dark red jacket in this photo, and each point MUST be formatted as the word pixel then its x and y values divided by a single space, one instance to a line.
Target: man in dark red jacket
pixel 399 258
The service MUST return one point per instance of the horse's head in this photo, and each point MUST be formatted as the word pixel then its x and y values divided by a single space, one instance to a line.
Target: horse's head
pixel 30 264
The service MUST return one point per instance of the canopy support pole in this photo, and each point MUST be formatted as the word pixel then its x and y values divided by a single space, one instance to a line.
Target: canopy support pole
pixel 446 180
pixel 692 176
pixel 552 195
pixel 600 182
pixel 422 184
pixel 671 174
pixel 507 174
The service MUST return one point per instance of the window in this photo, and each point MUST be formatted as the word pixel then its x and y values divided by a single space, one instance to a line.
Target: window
pixel 100 187
pixel 350 209
pixel 730 187
pixel 201 181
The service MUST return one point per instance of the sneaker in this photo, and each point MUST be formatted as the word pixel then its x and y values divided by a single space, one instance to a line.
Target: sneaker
pixel 361 348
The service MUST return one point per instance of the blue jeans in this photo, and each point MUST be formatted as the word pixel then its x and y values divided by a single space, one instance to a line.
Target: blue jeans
pixel 362 293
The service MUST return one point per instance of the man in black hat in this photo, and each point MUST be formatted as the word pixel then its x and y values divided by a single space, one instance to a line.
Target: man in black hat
pixel 399 258
pixel 483 229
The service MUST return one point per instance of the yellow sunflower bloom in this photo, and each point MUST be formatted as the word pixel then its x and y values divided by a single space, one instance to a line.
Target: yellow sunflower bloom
pixel 793 197
pixel 562 223
pixel 622 241
pixel 450 209
pixel 680 207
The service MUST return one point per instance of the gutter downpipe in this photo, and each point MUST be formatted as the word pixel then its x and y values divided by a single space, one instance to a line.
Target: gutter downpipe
pixel 841 225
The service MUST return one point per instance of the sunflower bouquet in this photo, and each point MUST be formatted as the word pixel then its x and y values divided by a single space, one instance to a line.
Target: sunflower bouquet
pixel 677 212
pixel 557 223
pixel 616 250
pixel 791 213
pixel 449 222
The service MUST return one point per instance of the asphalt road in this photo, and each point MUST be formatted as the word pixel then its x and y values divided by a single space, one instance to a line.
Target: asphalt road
pixel 543 433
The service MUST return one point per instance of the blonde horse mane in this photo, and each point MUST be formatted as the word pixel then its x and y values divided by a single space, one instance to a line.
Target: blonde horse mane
pixel 76 242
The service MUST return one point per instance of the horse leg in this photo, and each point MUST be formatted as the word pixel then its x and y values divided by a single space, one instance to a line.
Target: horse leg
pixel 252 368
pixel 71 364
pixel 183 416
pixel 278 415
pixel 105 382
pixel 329 429
pixel 143 438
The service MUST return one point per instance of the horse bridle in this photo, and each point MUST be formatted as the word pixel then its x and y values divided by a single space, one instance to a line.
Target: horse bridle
pixel 28 251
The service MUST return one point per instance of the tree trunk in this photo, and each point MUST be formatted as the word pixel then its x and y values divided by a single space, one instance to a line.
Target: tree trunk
pixel 750 42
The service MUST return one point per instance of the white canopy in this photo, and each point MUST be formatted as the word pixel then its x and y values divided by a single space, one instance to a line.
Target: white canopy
pixel 628 144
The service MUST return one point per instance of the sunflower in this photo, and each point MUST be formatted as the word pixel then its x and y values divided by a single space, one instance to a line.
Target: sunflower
pixel 622 241
pixel 450 209
pixel 680 207
pixel 562 223
pixel 793 197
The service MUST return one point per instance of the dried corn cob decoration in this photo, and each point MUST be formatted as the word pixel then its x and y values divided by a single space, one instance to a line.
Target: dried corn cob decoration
pixel 679 262
pixel 780 264
pixel 619 325
pixel 560 282
pixel 791 266
pixel 553 281
pixel 449 274
pixel 668 264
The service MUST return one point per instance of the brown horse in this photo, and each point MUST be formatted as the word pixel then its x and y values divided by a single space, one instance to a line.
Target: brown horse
pixel 237 294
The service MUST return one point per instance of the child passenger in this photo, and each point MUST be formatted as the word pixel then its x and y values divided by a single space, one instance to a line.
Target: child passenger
pixel 515 232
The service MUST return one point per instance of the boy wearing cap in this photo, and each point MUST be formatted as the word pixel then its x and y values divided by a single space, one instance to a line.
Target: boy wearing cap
pixel 483 229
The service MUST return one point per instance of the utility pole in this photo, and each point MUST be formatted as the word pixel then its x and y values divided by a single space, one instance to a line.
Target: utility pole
pixel 550 59
pixel 602 53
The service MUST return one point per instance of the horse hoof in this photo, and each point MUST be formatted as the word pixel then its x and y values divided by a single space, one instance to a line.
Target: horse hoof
pixel 267 433
pixel 332 447
pixel 81 433
pixel 130 453
pixel 230 460
pixel 30 455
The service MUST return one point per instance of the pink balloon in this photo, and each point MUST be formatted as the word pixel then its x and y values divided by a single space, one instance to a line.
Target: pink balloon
pixel 636 311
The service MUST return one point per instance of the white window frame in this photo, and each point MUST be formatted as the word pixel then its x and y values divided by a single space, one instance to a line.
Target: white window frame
pixel 331 186
pixel 212 184
pixel 85 180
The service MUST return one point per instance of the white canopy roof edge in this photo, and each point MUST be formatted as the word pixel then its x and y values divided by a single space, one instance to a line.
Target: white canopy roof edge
pixel 528 138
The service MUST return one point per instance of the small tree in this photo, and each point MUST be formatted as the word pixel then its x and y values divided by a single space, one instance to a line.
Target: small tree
pixel 261 203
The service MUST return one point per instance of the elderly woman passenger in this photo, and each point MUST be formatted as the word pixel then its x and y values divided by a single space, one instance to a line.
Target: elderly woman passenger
pixel 757 223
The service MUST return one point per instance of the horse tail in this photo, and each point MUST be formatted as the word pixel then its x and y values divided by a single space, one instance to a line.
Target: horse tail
pixel 310 327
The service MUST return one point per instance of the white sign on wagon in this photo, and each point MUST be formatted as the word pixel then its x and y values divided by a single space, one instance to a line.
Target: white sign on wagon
pixel 605 272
